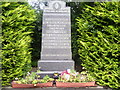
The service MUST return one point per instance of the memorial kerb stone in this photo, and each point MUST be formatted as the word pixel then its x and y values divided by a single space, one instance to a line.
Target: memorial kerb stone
pixel 56 52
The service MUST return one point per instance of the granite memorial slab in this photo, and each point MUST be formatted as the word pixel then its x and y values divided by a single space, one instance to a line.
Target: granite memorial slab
pixel 56 52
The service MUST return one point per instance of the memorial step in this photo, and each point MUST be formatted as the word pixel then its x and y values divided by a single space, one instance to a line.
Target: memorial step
pixel 49 73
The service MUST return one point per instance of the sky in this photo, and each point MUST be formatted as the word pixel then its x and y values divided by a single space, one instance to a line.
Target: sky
pixel 31 2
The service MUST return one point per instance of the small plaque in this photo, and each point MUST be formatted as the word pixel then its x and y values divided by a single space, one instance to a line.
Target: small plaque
pixel 56 6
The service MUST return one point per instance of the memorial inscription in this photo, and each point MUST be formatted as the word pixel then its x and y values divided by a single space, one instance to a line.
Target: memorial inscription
pixel 56 37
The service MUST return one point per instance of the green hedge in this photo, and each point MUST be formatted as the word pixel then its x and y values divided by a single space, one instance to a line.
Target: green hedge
pixel 17 27
pixel 99 42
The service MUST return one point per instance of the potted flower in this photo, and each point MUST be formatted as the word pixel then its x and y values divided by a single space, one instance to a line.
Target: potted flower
pixel 32 80
pixel 28 82
pixel 71 78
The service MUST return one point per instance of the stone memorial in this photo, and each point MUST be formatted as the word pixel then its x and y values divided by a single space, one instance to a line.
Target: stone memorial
pixel 56 52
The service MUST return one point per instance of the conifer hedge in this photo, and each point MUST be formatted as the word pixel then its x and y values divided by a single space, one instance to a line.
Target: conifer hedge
pixel 99 42
pixel 17 25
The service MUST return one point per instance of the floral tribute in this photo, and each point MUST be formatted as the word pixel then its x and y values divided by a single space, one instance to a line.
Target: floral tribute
pixel 68 78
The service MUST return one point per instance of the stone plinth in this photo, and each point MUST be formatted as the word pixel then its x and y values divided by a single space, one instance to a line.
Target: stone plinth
pixel 55 65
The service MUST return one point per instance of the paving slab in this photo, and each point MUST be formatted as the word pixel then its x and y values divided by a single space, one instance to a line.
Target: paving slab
pixel 55 88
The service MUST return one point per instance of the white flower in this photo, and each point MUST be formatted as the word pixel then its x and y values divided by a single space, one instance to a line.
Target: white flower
pixel 16 78
pixel 28 73
pixel 83 67
pixel 68 70
pixel 39 68
pixel 67 76
pixel 75 74
pixel 82 78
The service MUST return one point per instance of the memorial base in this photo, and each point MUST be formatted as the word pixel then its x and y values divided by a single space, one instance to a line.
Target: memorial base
pixel 49 67
pixel 55 65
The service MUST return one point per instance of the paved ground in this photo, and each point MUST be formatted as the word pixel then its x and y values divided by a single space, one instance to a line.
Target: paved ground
pixel 54 88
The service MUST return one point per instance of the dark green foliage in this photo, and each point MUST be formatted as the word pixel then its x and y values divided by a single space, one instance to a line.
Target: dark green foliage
pixel 0 43
pixel 99 42
pixel 17 26
pixel 75 7
pixel 36 43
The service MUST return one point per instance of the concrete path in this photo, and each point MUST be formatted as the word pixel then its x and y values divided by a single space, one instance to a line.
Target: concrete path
pixel 54 88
